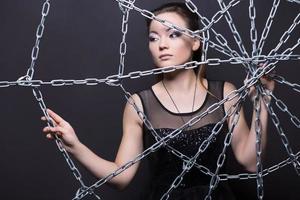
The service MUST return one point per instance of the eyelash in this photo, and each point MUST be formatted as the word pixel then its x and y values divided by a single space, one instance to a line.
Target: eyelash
pixel 152 39
pixel 174 34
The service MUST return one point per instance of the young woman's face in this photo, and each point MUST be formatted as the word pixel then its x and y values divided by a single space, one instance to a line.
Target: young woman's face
pixel 170 47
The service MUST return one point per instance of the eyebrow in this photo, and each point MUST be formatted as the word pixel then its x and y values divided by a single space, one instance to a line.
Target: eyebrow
pixel 152 32
pixel 167 30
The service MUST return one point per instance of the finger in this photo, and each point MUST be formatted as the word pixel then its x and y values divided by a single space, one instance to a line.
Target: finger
pixel 266 78
pixel 44 118
pixel 271 74
pixel 51 121
pixel 251 91
pixel 49 136
pixel 57 130
pixel 55 116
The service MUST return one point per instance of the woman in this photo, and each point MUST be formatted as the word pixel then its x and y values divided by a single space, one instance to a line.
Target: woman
pixel 176 98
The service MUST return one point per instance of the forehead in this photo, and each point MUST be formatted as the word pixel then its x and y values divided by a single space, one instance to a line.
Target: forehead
pixel 171 17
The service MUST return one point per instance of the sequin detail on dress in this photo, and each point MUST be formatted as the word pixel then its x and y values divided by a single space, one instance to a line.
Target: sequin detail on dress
pixel 188 141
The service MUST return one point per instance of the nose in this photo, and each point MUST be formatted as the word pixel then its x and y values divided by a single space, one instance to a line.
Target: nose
pixel 163 43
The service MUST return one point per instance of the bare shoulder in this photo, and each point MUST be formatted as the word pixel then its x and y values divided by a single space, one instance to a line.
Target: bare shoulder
pixel 133 105
pixel 228 88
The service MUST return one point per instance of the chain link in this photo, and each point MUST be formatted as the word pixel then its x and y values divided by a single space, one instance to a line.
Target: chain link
pixel 294 1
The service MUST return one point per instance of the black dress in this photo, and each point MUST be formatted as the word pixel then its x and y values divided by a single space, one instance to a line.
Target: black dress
pixel 165 166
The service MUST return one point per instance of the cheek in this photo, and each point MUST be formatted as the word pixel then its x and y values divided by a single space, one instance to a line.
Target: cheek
pixel 185 49
pixel 153 53
pixel 182 43
pixel 151 47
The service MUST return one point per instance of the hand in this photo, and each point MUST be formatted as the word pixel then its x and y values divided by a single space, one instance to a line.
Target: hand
pixel 266 81
pixel 62 129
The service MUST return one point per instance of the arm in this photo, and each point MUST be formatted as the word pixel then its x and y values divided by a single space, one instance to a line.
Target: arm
pixel 243 138
pixel 131 145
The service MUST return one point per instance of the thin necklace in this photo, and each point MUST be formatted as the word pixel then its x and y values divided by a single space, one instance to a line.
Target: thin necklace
pixel 174 101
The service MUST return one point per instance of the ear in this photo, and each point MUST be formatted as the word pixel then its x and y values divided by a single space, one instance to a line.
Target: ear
pixel 196 44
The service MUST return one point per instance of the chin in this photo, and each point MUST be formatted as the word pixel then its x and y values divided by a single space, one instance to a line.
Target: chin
pixel 166 64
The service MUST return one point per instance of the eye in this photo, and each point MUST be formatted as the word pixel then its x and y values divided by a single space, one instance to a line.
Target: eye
pixel 152 38
pixel 175 34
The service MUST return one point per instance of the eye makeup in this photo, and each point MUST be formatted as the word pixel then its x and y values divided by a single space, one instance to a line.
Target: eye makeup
pixel 153 37
pixel 175 34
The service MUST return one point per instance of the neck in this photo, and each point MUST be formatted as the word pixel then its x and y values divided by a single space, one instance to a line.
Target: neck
pixel 180 80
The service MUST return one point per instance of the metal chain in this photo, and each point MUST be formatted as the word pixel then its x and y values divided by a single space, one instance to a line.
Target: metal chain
pixel 214 109
pixel 220 38
pixel 123 44
pixel 157 137
pixel 267 26
pixel 258 130
pixel 183 157
pixel 162 141
pixel 39 97
pixel 281 80
pixel 114 80
pixel 188 32
pixel 233 29
pixel 271 66
pixel 221 159
pixel 205 45
pixel 283 107
pixel 294 1
pixel 217 16
pixel 253 31
pixel 39 35
pixel 267 171
pixel 280 131
pixel 286 35
pixel 187 165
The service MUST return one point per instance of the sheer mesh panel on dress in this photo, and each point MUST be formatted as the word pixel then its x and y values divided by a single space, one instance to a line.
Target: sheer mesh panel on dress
pixel 161 117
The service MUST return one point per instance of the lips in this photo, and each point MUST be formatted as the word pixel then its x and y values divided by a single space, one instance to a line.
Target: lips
pixel 165 56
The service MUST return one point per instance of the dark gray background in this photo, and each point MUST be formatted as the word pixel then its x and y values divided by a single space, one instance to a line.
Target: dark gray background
pixel 81 40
